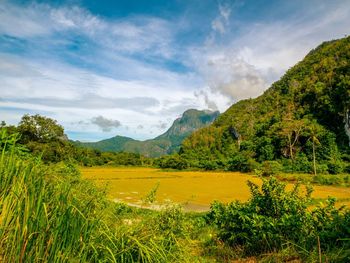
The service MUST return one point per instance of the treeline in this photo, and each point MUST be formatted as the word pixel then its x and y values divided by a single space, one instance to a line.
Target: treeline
pixel 44 137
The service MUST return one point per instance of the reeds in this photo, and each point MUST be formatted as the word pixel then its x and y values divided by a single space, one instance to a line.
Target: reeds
pixel 60 218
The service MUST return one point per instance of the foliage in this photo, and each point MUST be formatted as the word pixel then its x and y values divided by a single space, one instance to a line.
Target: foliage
pixel 49 214
pixel 242 163
pixel 274 218
pixel 39 129
pixel 174 161
pixel 271 168
pixel 44 138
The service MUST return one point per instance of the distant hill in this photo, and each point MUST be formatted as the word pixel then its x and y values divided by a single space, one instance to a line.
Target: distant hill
pixel 167 143
pixel 298 121
pixel 115 144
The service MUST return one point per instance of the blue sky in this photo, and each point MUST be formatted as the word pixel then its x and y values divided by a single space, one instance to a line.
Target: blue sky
pixel 103 68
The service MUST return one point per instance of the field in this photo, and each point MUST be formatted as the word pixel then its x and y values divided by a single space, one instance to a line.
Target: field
pixel 195 190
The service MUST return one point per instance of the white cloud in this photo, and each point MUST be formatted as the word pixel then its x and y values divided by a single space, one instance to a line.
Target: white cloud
pixel 128 35
pixel 105 124
pixel 23 22
pixel 225 12
pixel 222 20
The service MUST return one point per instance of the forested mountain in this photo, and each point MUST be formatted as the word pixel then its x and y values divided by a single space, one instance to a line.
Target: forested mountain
pixel 115 144
pixel 167 143
pixel 299 121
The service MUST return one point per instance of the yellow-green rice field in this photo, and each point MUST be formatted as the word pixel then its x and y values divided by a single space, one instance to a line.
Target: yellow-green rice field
pixel 195 190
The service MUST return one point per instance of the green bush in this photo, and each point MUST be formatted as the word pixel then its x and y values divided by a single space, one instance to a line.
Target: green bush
pixel 331 179
pixel 271 168
pixel 335 167
pixel 302 164
pixel 274 217
pixel 174 161
pixel 242 163
pixel 209 165
pixel 322 168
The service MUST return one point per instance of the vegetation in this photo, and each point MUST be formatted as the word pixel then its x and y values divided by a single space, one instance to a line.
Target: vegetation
pixel 45 216
pixel 50 214
pixel 275 219
pixel 43 137
pixel 298 122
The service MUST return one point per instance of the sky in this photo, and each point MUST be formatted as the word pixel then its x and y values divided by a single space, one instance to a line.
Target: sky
pixel 131 67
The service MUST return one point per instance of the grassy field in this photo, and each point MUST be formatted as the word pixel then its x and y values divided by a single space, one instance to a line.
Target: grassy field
pixel 195 190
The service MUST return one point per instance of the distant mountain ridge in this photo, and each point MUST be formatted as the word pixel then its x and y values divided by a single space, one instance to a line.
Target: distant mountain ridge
pixel 166 143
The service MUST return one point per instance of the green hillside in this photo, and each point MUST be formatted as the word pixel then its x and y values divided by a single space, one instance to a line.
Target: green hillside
pixel 299 121
pixel 115 144
pixel 167 143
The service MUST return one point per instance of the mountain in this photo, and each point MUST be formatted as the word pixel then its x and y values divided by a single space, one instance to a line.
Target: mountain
pixel 167 143
pixel 299 121
pixel 115 144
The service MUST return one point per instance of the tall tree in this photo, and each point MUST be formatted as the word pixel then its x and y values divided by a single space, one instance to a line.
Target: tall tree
pixel 314 130
pixel 292 130
pixel 40 129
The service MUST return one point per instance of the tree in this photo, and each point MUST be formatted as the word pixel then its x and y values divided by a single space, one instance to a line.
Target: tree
pixel 40 129
pixel 292 130
pixel 314 130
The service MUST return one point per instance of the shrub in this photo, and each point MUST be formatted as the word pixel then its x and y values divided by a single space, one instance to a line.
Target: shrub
pixel 174 161
pixel 322 168
pixel 242 163
pixel 302 164
pixel 335 167
pixel 328 179
pixel 209 165
pixel 274 217
pixel 271 168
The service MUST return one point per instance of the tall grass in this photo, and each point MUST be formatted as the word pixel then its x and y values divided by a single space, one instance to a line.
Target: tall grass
pixel 39 221
pixel 48 217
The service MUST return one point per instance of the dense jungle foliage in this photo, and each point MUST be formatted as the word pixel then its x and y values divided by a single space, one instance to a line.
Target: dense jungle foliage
pixel 296 125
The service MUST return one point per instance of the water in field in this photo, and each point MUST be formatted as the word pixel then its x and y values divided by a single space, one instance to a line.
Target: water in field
pixel 195 190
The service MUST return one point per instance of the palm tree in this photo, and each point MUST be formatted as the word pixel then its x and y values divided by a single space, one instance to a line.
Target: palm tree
pixel 314 130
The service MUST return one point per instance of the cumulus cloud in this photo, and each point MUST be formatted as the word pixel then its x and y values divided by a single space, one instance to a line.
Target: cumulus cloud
pixel 106 125
pixel 235 78
pixel 204 95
